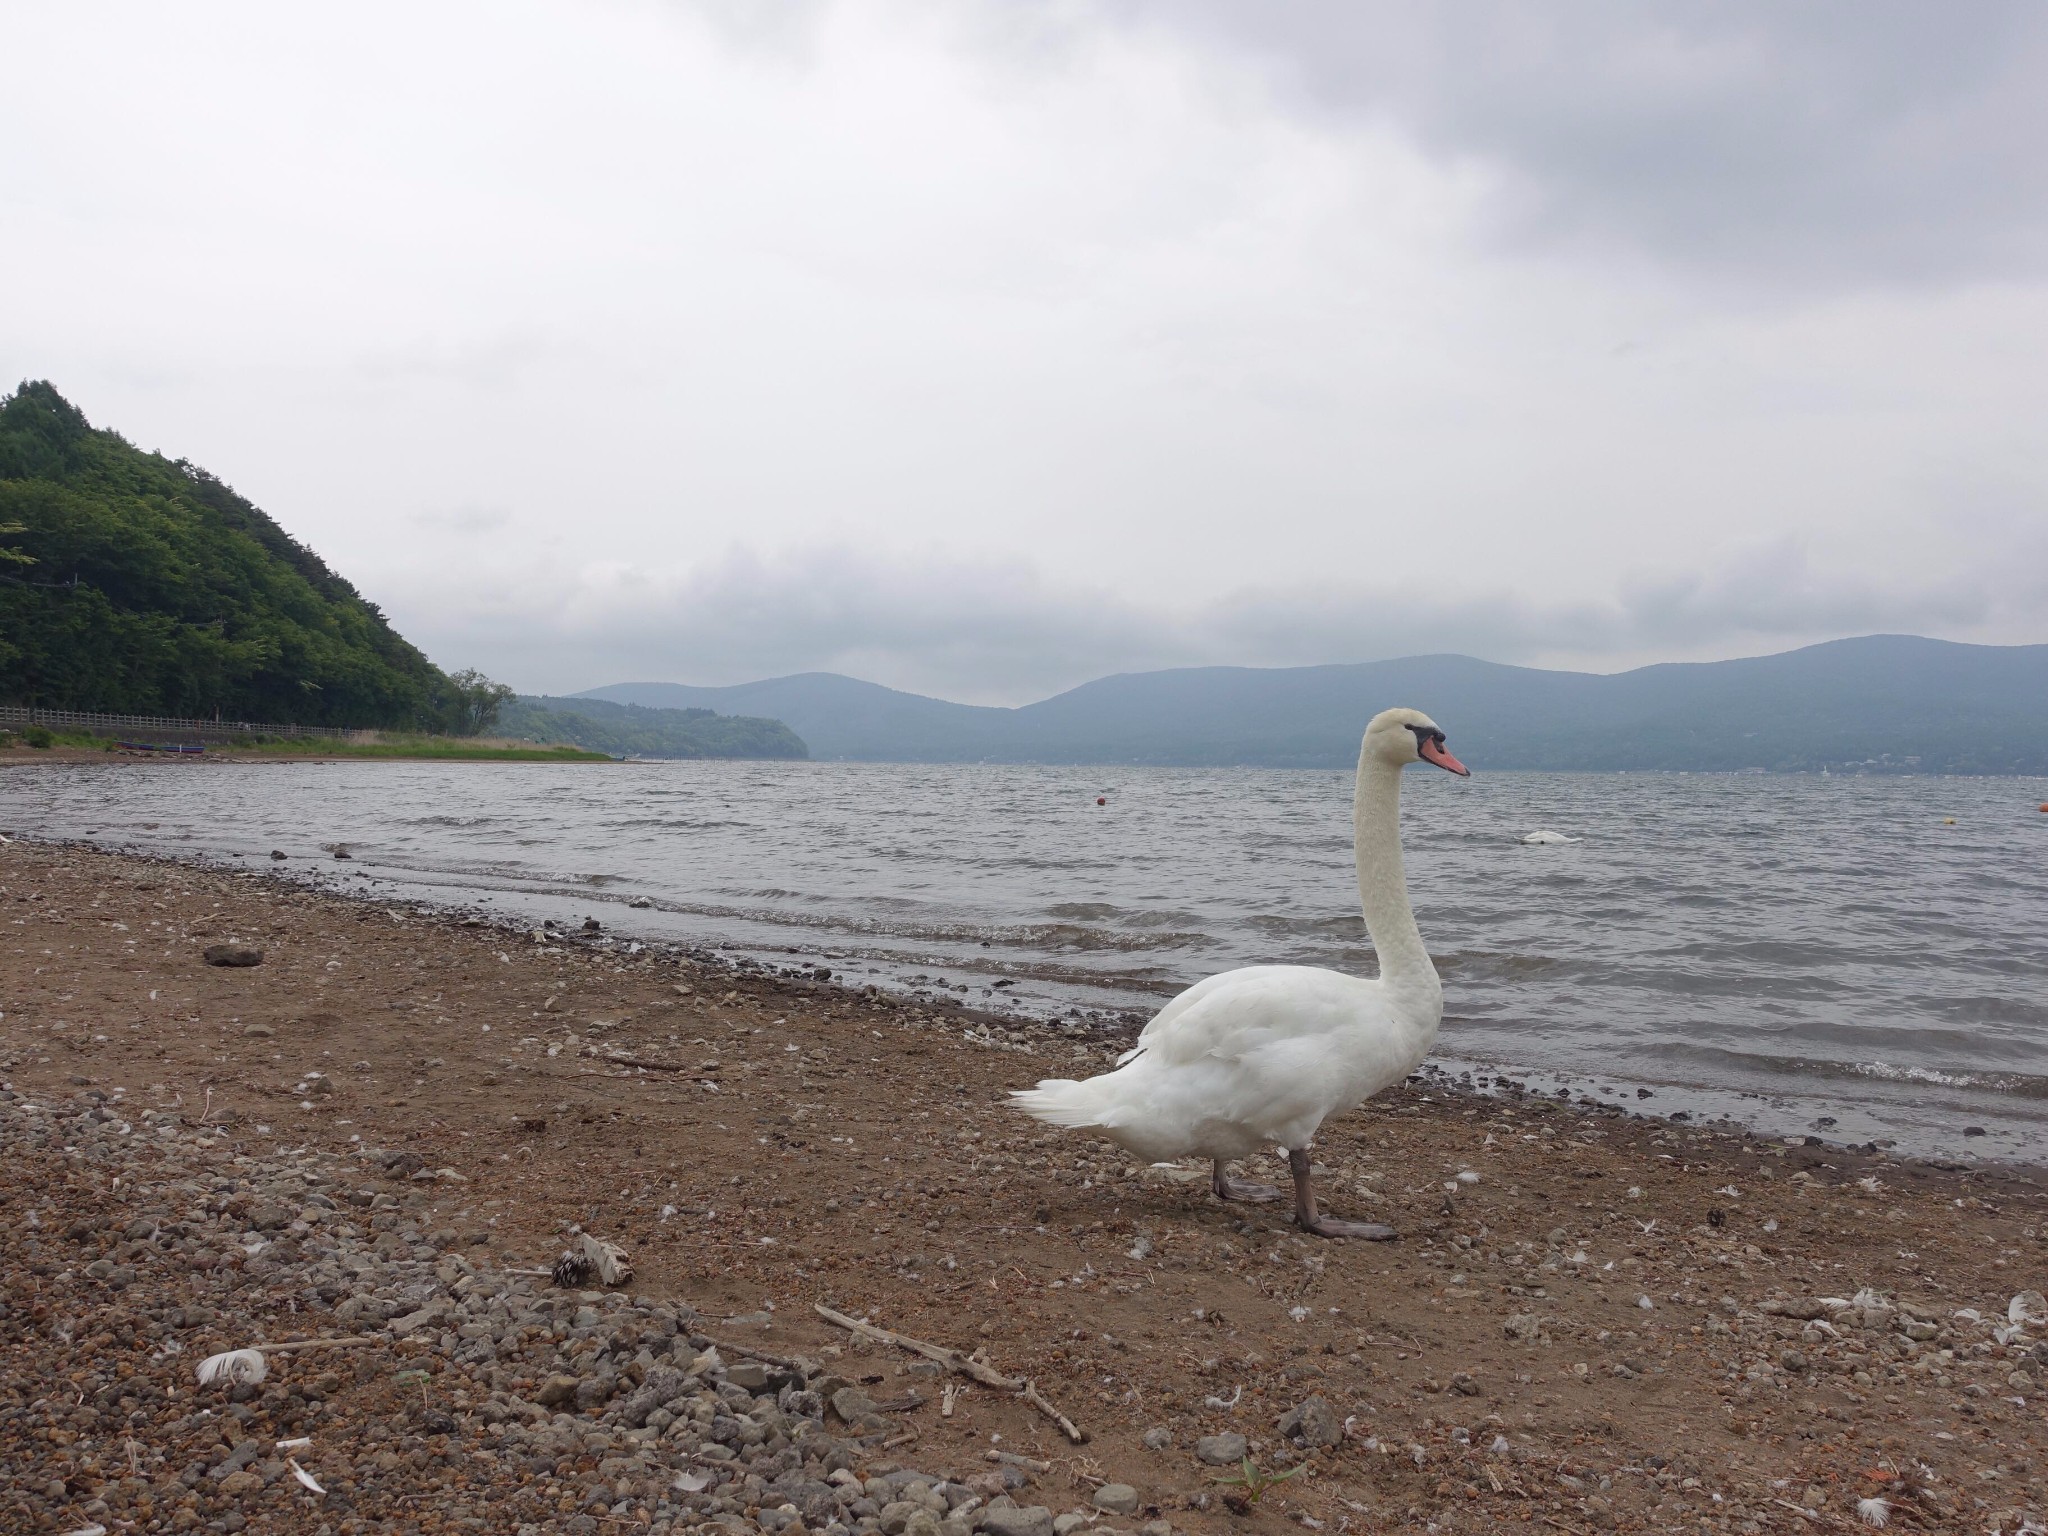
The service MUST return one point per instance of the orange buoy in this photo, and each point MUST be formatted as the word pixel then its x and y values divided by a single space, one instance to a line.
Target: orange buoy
pixel 2044 805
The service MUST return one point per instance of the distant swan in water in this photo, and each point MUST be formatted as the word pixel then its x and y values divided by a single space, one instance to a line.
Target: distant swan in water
pixel 1260 1057
pixel 1547 836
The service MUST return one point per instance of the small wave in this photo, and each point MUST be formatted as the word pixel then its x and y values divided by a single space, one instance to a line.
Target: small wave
pixel 1345 926
pixel 2019 1084
pixel 683 824
pixel 2023 1085
pixel 1070 936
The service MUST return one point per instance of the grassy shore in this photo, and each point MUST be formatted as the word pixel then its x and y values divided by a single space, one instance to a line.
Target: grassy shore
pixel 67 746
pixel 1615 1324
pixel 449 748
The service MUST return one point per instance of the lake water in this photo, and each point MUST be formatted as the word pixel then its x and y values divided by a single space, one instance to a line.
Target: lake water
pixel 1806 954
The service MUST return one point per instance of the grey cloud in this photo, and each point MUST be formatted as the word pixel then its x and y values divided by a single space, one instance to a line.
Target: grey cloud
pixel 1848 141
pixel 993 632
pixel 463 520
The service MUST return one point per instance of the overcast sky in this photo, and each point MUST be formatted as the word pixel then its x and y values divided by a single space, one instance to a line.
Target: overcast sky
pixel 982 349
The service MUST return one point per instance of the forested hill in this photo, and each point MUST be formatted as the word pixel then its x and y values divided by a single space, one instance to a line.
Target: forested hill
pixel 631 730
pixel 136 584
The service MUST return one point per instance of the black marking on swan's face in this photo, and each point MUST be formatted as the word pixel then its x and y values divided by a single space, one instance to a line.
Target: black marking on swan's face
pixel 1430 748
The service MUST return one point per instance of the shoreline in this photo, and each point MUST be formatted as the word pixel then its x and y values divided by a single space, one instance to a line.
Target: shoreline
pixel 32 757
pixel 762 1140
pixel 1878 1108
pixel 1111 1030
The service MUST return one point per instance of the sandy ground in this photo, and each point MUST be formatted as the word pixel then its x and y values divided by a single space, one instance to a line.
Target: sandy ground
pixel 1619 1323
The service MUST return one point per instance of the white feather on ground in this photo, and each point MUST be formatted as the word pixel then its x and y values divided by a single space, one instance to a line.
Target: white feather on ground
pixel 238 1367
pixel 592 1256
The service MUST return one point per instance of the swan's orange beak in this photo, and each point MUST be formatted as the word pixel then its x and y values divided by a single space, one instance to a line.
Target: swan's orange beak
pixel 1434 751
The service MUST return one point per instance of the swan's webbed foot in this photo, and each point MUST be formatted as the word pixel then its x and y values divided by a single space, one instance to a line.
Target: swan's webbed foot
pixel 1309 1219
pixel 1227 1188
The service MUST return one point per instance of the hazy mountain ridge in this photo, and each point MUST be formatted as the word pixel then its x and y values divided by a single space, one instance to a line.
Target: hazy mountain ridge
pixel 1881 703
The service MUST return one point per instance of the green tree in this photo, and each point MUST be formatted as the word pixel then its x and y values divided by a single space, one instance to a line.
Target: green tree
pixel 144 585
pixel 474 703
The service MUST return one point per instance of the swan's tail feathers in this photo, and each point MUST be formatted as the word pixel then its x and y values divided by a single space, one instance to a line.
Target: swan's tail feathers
pixel 1062 1101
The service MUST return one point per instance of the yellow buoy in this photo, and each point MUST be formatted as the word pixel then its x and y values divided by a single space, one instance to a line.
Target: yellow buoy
pixel 1948 821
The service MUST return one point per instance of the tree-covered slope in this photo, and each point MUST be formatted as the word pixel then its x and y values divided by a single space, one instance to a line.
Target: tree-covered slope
pixel 634 731
pixel 136 584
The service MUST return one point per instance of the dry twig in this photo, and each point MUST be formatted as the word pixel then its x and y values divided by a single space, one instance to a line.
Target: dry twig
pixel 951 1359
pixel 965 1365
pixel 1067 1426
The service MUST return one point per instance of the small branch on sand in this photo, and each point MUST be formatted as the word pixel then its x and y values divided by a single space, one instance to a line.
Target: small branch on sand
pixel 368 1338
pixel 640 1061
pixel 1012 1459
pixel 965 1365
pixel 1067 1426
pixel 748 1352
pixel 951 1359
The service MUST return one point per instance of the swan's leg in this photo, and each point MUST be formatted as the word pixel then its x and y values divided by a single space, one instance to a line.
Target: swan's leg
pixel 1228 1188
pixel 1314 1221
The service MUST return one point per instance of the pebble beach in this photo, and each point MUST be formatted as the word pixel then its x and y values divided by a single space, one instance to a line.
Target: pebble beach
pixel 363 1152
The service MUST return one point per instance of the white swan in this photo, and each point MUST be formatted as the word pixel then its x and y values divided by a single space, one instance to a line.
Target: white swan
pixel 1260 1057
pixel 1544 835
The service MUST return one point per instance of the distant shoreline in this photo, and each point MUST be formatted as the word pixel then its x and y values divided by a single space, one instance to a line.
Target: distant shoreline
pixel 30 757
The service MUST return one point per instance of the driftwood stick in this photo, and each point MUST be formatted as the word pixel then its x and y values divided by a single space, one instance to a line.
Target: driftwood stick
pixel 640 1061
pixel 298 1344
pixel 965 1365
pixel 951 1359
pixel 1067 1426
pixel 748 1352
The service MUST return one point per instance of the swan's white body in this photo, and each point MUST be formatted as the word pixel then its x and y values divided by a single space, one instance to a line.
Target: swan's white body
pixel 1546 836
pixel 1260 1057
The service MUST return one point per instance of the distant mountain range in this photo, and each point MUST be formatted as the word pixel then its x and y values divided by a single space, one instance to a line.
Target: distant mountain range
pixel 1878 704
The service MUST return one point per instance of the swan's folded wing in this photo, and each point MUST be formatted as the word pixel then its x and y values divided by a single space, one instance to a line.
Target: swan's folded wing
pixel 1230 1016
pixel 1164 1022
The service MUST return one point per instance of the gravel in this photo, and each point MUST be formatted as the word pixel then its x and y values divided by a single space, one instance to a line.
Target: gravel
pixel 469 1398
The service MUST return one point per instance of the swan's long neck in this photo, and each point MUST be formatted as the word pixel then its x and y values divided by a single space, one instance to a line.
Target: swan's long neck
pixel 1383 888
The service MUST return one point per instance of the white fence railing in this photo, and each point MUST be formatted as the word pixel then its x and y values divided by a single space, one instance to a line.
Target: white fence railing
pixel 164 728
